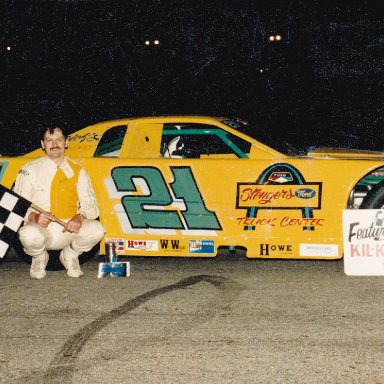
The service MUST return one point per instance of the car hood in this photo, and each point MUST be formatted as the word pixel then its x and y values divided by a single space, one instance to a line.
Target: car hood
pixel 344 153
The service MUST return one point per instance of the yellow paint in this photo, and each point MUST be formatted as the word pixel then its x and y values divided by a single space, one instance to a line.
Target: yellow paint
pixel 227 189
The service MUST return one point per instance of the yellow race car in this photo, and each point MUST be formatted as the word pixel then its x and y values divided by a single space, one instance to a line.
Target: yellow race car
pixel 191 185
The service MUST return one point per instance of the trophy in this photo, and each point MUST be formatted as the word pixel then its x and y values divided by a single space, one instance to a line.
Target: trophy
pixel 112 267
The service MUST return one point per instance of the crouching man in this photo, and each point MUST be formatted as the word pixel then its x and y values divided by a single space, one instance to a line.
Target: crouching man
pixel 59 185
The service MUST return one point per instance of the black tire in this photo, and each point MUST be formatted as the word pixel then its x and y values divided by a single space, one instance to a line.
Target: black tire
pixel 54 263
pixel 374 198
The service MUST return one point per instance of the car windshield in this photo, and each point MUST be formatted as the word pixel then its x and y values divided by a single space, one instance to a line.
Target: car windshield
pixel 278 142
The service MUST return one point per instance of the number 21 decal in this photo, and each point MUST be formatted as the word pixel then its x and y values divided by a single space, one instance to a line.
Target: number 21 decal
pixel 157 207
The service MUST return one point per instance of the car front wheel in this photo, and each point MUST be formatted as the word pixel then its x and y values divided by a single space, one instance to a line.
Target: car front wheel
pixel 375 198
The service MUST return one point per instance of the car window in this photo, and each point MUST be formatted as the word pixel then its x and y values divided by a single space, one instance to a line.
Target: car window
pixel 111 142
pixel 194 141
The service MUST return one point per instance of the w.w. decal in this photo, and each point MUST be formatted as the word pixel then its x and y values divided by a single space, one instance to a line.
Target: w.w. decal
pixel 173 245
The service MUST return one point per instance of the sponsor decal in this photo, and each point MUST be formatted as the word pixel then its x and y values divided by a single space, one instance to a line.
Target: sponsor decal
pixel 280 186
pixel 301 222
pixel 305 193
pixel 280 177
pixel 119 244
pixel 363 233
pixel 319 250
pixel 88 137
pixel 267 249
pixel 201 246
pixel 271 222
pixel 285 221
pixel 277 197
pixel 232 124
pixel 171 245
pixel 142 245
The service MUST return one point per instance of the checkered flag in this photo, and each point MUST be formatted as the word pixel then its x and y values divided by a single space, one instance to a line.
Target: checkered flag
pixel 13 208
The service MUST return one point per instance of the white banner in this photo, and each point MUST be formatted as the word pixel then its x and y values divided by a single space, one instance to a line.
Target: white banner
pixel 363 232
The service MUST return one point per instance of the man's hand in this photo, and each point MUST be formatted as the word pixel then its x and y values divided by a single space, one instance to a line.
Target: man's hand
pixel 74 224
pixel 42 219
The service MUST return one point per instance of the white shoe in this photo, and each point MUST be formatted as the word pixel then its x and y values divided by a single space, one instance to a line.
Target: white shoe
pixel 71 262
pixel 38 265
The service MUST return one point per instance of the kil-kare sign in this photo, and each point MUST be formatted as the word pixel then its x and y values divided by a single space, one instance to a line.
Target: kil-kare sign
pixel 363 233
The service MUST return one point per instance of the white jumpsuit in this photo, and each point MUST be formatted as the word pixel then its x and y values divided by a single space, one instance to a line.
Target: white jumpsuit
pixel 34 183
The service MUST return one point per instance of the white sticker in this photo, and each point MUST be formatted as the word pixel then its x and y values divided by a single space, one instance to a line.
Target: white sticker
pixel 319 250
pixel 142 245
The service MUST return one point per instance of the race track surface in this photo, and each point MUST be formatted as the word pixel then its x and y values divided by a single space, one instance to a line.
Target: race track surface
pixel 226 320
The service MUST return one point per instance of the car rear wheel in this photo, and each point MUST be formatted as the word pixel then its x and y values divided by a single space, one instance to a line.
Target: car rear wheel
pixel 374 198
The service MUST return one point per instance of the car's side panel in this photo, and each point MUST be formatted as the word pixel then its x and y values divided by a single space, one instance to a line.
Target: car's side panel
pixel 178 207
pixel 9 167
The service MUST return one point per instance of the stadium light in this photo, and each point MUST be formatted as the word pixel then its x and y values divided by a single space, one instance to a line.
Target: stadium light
pixel 154 42
pixel 275 38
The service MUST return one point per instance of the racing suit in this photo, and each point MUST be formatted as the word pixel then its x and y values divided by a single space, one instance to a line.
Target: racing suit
pixel 64 190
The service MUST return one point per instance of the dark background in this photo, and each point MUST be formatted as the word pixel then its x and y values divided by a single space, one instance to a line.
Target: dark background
pixel 75 63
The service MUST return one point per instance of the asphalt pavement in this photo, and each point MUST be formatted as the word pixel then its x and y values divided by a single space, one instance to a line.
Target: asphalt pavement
pixel 174 320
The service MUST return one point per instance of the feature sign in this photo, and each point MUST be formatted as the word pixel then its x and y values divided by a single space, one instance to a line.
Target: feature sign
pixel 363 232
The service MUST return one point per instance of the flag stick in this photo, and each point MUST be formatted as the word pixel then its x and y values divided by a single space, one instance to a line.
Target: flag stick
pixel 38 209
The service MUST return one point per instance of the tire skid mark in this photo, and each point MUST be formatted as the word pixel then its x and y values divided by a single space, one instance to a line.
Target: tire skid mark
pixel 64 361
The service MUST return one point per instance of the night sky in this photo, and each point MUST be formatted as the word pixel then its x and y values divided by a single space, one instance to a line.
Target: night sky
pixel 74 63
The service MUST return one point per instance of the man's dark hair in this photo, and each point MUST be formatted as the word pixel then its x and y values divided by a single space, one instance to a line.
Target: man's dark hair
pixel 51 129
